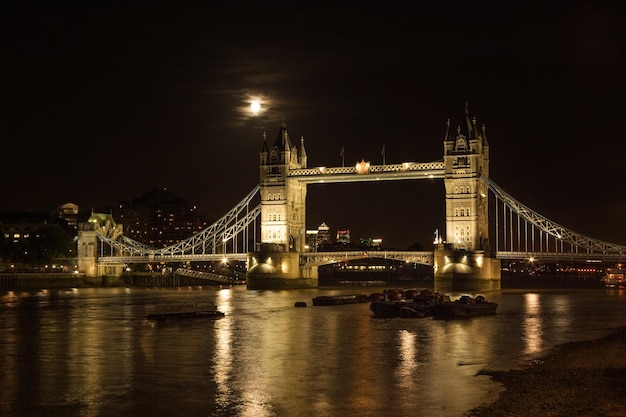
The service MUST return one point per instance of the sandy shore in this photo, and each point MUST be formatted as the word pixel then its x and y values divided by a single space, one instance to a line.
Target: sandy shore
pixel 575 379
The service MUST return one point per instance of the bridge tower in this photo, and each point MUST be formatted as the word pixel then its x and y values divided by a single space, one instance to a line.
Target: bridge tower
pixel 276 261
pixel 103 224
pixel 465 261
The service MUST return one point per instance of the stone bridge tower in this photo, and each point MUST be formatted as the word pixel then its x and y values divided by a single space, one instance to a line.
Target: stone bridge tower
pixel 466 159
pixel 283 200
pixel 98 224
pixel 276 262
pixel 465 261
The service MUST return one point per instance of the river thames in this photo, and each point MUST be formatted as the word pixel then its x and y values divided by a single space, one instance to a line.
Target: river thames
pixel 91 352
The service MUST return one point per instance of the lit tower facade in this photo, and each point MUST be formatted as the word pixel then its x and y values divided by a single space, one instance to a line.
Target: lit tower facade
pixel 466 159
pixel 276 262
pixel 283 200
pixel 464 261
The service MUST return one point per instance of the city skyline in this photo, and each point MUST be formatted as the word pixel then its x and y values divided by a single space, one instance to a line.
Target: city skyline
pixel 105 102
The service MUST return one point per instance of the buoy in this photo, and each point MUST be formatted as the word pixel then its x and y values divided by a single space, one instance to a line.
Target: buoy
pixel 300 304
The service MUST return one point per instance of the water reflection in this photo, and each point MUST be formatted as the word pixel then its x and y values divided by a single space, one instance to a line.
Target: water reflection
pixel 92 353
pixel 407 353
pixel 532 325
pixel 222 362
pixel 562 312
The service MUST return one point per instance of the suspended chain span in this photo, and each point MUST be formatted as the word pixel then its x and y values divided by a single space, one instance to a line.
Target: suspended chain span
pixel 209 244
pixel 575 240
pixel 230 234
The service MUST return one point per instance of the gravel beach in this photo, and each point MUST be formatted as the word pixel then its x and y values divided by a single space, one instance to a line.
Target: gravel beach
pixel 585 378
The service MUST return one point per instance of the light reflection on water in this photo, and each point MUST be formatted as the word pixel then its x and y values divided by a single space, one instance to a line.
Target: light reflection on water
pixel 91 352
pixel 532 324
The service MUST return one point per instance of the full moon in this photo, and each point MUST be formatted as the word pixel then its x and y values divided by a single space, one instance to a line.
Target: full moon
pixel 255 107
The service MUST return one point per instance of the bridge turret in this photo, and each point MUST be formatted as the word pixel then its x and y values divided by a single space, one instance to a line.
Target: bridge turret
pixel 283 216
pixel 466 160
pixel 282 200
pixel 98 224
pixel 264 151
pixel 465 261
pixel 302 154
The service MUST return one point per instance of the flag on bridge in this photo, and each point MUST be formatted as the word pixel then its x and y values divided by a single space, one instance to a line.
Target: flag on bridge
pixel 382 152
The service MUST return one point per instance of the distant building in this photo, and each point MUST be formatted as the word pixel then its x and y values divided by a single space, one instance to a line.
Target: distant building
pixel 21 226
pixel 371 242
pixel 69 213
pixel 343 236
pixel 33 240
pixel 159 218
pixel 323 234
pixel 311 241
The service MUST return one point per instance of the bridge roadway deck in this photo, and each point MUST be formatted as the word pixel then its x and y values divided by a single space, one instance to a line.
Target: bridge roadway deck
pixel 307 258
pixel 322 258
pixel 173 258
pixel 562 256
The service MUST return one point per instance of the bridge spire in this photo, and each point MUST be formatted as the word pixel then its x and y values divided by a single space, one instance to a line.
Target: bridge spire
pixel 471 124
pixel 302 153
pixel 264 150
pixel 282 141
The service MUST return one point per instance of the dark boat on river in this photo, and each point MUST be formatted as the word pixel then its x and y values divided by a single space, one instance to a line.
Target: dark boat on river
pixel 185 311
pixel 465 307
pixel 413 304
pixel 335 300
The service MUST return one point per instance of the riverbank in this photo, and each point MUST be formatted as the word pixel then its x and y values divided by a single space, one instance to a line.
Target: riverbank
pixel 575 379
pixel 49 280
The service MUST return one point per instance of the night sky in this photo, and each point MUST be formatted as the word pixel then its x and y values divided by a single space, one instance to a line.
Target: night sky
pixel 101 103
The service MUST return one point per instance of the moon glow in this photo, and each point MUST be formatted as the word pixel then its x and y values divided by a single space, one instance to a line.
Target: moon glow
pixel 255 107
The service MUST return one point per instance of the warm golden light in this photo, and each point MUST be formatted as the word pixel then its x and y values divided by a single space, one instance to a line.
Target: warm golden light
pixel 362 167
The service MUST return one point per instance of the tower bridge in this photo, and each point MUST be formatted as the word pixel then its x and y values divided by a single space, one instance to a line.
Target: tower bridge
pixel 267 227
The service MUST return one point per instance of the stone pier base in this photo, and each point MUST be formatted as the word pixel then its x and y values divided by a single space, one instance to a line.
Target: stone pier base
pixel 471 271
pixel 278 270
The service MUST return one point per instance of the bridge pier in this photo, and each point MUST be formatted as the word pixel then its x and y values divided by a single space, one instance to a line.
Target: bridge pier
pixel 465 270
pixel 278 270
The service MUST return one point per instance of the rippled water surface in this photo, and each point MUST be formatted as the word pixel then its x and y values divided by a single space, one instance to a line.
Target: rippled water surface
pixel 91 352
